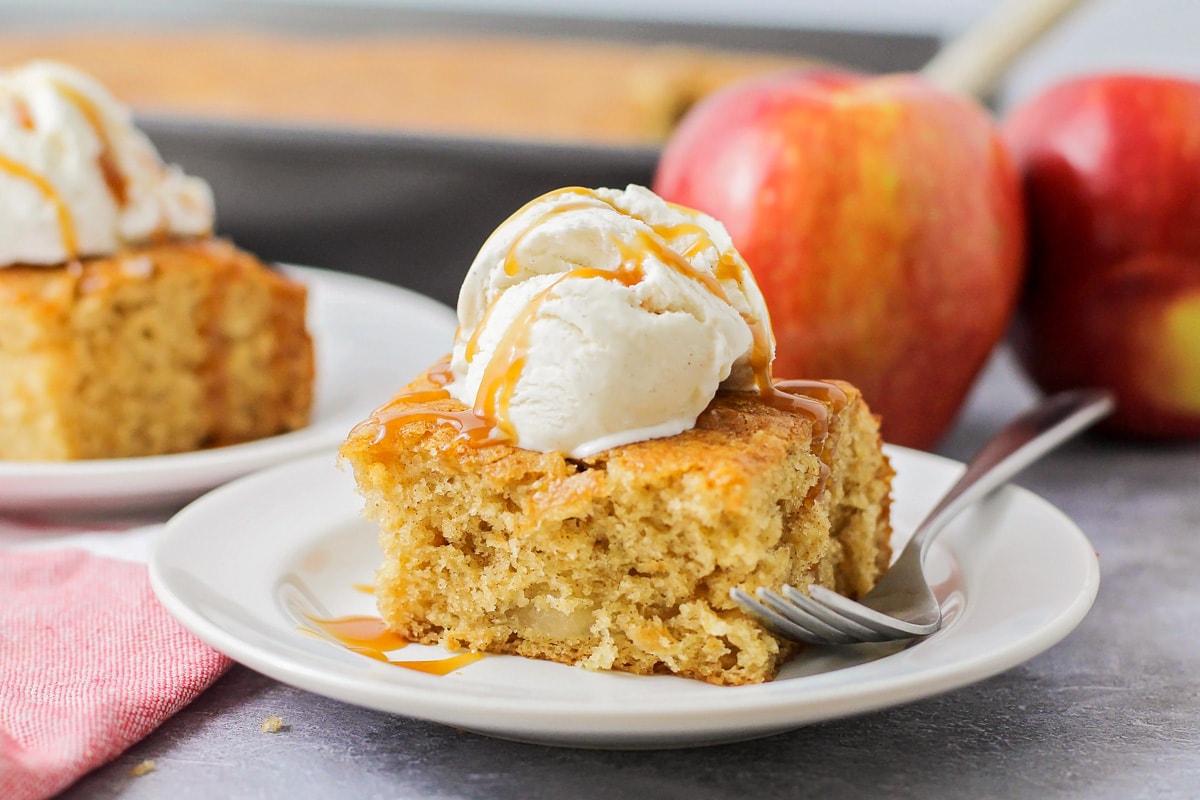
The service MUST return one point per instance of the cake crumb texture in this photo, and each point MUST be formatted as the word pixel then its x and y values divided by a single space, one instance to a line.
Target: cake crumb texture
pixel 159 349
pixel 623 560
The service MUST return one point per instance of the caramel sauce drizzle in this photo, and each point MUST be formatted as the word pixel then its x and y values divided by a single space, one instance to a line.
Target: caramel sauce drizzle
pixel 24 114
pixel 370 637
pixel 440 666
pixel 499 381
pixel 511 265
pixel 408 407
pixel 487 422
pixel 548 196
pixel 806 396
pixel 114 178
pixel 473 342
pixel 66 224
pixel 364 635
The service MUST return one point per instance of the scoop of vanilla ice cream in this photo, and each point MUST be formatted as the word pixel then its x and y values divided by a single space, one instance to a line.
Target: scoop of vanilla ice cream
pixel 595 318
pixel 77 178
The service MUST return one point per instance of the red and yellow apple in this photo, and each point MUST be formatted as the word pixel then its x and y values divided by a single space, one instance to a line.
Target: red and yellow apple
pixel 882 219
pixel 1111 166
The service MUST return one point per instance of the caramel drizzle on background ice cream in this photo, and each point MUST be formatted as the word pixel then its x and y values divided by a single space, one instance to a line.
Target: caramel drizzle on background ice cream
pixel 106 161
pixel 24 114
pixel 66 224
pixel 488 421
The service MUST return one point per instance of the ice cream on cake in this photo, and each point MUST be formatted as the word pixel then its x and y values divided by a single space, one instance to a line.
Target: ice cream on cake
pixel 584 327
pixel 604 455
pixel 125 328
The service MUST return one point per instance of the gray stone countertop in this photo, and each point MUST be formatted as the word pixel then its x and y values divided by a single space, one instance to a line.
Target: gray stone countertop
pixel 1113 711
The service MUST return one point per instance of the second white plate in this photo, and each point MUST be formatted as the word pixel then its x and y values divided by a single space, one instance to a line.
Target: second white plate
pixel 370 339
pixel 242 565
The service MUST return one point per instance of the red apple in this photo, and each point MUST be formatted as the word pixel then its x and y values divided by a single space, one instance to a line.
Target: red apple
pixel 882 220
pixel 1111 166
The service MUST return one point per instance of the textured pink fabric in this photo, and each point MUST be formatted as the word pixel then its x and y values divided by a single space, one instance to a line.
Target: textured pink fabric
pixel 89 664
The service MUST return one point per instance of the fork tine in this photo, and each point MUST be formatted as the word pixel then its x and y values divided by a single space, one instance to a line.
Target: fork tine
pixel 796 615
pixel 890 626
pixel 773 621
pixel 832 618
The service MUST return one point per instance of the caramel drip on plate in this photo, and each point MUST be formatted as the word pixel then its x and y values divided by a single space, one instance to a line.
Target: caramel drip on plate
pixel 369 636
pixel 66 224
pixel 114 178
pixel 440 666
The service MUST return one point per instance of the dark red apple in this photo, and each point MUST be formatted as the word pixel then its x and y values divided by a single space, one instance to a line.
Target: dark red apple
pixel 1111 166
pixel 882 219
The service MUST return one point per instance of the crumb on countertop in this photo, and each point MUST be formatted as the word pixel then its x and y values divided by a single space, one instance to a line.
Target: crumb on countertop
pixel 273 725
pixel 143 768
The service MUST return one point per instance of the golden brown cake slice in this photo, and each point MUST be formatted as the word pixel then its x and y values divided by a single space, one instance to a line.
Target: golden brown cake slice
pixel 158 349
pixel 623 560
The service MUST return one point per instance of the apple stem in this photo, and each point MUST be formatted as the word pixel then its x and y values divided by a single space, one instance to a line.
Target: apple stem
pixel 973 62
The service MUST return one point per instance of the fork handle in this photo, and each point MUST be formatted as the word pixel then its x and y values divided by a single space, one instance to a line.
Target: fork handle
pixel 1018 444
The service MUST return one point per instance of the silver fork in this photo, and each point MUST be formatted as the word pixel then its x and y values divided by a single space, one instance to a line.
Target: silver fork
pixel 902 606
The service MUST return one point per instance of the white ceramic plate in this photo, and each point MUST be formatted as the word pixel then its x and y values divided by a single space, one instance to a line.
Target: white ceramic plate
pixel 370 339
pixel 241 566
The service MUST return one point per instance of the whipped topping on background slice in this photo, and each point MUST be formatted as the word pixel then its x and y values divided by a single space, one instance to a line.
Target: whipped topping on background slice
pixel 77 178
pixel 595 318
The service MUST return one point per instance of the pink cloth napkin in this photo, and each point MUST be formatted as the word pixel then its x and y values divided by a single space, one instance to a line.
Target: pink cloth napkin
pixel 89 664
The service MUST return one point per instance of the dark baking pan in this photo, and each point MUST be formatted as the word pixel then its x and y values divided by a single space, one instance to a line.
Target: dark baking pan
pixel 409 209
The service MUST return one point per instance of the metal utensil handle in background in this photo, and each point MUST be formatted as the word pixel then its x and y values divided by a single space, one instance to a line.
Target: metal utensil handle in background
pixel 1021 442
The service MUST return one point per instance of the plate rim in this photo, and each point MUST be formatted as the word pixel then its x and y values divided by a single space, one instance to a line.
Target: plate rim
pixel 780 705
